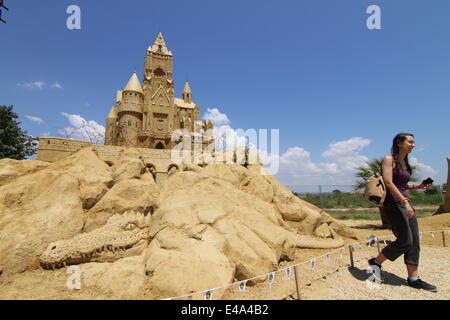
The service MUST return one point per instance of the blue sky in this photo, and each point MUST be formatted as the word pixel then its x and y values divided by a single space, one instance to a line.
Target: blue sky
pixel 337 91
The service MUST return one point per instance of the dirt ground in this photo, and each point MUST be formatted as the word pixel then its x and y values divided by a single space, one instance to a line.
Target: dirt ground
pixel 351 284
pixel 330 279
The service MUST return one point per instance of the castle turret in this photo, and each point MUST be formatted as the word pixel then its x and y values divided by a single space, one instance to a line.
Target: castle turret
pixel 187 94
pixel 158 65
pixel 130 112
pixel 111 127
pixel 118 97
pixel 159 110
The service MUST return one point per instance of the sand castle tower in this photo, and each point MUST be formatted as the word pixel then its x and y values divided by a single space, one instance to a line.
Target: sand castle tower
pixel 146 116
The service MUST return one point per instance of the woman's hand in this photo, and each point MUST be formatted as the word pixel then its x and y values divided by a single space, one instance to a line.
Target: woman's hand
pixel 409 210
pixel 424 186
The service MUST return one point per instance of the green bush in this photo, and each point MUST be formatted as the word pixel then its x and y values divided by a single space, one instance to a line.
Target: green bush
pixel 356 200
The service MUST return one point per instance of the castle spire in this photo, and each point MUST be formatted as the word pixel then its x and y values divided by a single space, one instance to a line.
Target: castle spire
pixel 187 88
pixel 159 46
pixel 187 94
pixel 134 84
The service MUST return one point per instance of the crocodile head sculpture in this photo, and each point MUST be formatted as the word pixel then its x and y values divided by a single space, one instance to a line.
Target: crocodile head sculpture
pixel 122 235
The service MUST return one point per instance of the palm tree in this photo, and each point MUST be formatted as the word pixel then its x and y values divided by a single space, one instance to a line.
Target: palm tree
pixel 365 172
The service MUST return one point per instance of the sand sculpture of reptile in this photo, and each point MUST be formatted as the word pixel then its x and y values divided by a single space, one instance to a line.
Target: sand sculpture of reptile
pixel 123 235
pixel 128 235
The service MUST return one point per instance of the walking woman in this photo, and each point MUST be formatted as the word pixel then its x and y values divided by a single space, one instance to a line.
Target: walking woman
pixel 396 174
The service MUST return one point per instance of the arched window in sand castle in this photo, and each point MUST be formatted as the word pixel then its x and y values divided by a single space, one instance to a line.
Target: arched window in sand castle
pixel 159 72
pixel 160 145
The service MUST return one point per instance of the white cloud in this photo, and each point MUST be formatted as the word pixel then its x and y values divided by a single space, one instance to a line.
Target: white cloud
pixel 297 168
pixel 425 171
pixel 56 85
pixel 45 134
pixel 218 118
pixel 345 153
pixel 297 162
pixel 39 85
pixel 224 135
pixel 33 85
pixel 35 119
pixel 83 130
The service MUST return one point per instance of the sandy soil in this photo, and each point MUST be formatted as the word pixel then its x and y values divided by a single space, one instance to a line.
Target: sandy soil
pixel 351 284
pixel 328 280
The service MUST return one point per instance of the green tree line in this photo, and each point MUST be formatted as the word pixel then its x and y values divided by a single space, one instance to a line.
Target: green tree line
pixel 14 142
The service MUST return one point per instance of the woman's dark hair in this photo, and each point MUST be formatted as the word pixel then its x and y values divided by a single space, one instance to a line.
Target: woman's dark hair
pixel 395 149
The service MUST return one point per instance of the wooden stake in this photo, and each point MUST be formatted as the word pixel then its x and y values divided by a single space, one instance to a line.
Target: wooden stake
pixel 378 246
pixel 297 282
pixel 443 237
pixel 350 249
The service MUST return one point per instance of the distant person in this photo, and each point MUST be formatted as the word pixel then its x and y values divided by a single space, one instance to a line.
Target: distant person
pixel 396 172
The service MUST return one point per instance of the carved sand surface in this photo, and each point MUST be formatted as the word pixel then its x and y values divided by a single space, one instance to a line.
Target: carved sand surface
pixel 132 238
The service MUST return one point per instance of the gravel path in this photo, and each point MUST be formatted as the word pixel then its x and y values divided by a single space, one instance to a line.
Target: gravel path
pixel 351 284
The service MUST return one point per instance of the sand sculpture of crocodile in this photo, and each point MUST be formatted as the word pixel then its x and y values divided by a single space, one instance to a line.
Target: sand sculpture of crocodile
pixel 128 235
pixel 122 235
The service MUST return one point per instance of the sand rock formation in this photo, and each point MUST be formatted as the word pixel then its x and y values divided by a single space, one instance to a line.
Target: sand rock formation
pixel 124 277
pixel 47 205
pixel 130 165
pixel 201 228
pixel 138 195
pixel 446 206
pixel 11 169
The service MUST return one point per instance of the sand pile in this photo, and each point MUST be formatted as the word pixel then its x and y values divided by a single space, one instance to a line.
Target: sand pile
pixel 133 238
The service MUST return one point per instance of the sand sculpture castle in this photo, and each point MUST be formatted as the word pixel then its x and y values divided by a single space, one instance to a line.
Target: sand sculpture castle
pixel 147 116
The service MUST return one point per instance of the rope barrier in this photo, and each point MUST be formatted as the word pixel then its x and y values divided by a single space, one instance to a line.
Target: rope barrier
pixel 207 294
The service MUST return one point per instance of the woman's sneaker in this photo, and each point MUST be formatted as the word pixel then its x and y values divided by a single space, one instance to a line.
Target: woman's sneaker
pixel 419 284
pixel 373 263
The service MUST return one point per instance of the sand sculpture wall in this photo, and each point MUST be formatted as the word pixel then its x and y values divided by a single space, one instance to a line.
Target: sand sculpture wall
pixel 54 149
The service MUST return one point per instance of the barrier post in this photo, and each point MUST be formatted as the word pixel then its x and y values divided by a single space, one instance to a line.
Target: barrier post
pixel 350 249
pixel 297 282
pixel 443 237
